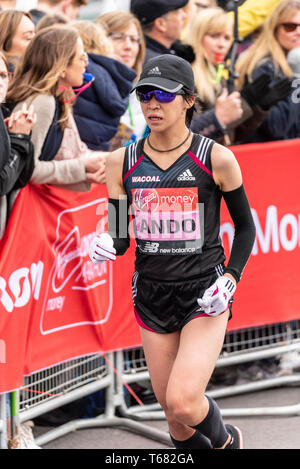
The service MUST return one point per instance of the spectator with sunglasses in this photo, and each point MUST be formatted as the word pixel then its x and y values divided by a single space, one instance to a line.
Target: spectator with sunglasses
pixel 268 55
pixel 174 181
pixel 210 33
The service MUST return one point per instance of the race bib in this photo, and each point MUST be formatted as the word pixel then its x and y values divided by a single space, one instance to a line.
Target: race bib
pixel 168 220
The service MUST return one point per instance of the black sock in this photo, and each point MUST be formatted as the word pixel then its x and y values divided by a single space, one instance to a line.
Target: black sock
pixel 196 441
pixel 212 426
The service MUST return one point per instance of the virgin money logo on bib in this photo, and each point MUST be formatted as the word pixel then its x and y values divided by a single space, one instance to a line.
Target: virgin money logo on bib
pixel 146 200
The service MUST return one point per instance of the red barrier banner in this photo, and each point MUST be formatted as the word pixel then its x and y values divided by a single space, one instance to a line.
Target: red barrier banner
pixel 55 304
pixel 269 290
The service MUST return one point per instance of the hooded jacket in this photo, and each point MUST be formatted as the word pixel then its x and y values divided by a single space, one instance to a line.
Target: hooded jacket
pixel 98 109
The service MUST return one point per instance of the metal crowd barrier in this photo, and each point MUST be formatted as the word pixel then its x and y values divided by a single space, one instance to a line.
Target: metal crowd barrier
pixel 59 385
pixel 72 380
pixel 240 346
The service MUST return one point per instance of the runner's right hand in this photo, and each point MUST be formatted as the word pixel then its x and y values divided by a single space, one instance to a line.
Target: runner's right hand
pixel 102 249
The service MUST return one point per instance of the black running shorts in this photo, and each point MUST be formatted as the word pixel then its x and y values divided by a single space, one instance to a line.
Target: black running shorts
pixel 165 307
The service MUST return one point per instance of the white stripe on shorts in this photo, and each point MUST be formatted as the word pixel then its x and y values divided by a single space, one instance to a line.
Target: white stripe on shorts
pixel 219 270
pixel 134 288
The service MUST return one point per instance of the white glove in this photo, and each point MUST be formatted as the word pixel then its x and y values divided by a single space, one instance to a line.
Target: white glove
pixel 102 249
pixel 216 298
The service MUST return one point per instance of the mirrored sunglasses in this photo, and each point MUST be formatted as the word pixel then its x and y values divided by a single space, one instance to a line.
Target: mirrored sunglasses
pixel 160 96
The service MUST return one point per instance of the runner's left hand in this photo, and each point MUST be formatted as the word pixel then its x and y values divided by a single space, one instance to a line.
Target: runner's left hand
pixel 216 298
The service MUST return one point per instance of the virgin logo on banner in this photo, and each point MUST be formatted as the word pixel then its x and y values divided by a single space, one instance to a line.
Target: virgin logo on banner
pixel 72 273
pixel 55 304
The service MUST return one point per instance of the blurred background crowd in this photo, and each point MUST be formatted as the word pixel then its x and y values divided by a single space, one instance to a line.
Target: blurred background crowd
pixel 68 66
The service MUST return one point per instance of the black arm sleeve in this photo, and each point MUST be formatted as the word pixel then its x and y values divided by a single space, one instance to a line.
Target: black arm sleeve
pixel 118 224
pixel 244 235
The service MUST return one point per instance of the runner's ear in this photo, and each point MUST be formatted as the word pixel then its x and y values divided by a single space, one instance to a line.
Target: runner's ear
pixel 190 101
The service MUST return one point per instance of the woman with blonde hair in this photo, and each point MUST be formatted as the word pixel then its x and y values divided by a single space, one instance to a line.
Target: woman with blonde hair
pixel 98 110
pixel 268 55
pixel 269 43
pixel 16 32
pixel 125 32
pixel 94 37
pixel 210 33
pixel 52 66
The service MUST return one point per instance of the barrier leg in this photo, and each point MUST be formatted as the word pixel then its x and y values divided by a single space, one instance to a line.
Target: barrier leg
pixel 14 399
pixel 3 433
pixel 98 422
pixel 111 418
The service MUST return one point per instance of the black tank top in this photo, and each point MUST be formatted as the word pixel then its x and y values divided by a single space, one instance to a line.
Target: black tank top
pixel 176 212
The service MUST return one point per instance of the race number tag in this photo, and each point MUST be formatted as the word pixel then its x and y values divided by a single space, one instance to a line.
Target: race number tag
pixel 168 220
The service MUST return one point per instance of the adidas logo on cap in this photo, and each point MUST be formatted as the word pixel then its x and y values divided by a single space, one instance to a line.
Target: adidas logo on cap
pixel 154 71
pixel 186 176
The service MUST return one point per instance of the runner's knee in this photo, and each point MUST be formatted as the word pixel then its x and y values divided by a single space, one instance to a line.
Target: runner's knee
pixel 186 406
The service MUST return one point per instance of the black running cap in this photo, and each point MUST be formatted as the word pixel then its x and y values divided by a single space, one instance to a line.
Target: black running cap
pixel 148 10
pixel 168 73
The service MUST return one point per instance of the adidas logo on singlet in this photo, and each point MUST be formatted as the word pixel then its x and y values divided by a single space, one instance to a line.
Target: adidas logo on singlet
pixel 186 176
pixel 154 71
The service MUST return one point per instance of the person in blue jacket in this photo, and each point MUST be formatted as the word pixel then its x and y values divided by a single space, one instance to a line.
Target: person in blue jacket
pixel 98 109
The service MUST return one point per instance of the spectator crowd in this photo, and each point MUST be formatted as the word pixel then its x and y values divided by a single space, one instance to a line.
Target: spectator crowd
pixel 65 83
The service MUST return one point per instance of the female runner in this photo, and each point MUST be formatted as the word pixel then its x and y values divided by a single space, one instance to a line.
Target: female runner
pixel 174 181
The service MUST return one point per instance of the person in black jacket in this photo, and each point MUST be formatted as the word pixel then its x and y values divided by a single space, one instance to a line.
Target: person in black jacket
pixel 16 149
pixel 162 22
pixel 268 56
pixel 98 109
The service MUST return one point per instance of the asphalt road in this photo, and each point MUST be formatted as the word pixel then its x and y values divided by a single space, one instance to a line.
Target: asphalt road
pixel 261 432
